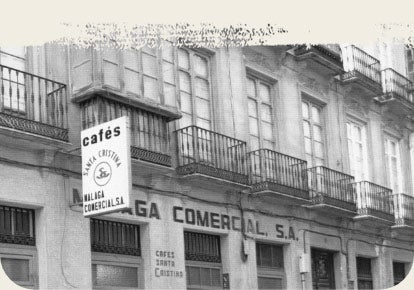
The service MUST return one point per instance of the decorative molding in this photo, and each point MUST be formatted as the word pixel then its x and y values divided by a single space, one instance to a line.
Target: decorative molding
pixel 355 105
pixel 313 84
pixel 258 58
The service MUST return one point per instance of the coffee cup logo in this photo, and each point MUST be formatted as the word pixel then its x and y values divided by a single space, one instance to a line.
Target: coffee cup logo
pixel 102 174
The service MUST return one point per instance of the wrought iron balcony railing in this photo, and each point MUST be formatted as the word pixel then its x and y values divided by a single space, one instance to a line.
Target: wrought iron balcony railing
pixel 149 131
pixel 396 85
pixel 270 170
pixel 374 200
pixel 404 209
pixel 331 187
pixel 327 55
pixel 33 104
pixel 210 153
pixel 361 66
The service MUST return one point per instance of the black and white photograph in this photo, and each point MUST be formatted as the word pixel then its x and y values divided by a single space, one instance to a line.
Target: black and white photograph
pixel 206 156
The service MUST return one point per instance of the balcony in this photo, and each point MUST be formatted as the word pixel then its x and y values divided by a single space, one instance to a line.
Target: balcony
pixel 278 175
pixel 374 203
pixel 149 131
pixel 396 91
pixel 404 213
pixel 331 191
pixel 361 70
pixel 326 57
pixel 33 104
pixel 210 154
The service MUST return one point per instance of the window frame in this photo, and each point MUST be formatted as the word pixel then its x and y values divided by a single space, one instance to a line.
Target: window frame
pixel 404 264
pixel 410 74
pixel 364 142
pixel 204 264
pixel 364 278
pixel 11 109
pixel 192 53
pixel 259 103
pixel 320 106
pixel 22 252
pixel 272 272
pixel 99 258
pixel 400 179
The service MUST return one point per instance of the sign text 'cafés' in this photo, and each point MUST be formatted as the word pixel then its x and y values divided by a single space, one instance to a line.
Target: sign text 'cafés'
pixel 106 167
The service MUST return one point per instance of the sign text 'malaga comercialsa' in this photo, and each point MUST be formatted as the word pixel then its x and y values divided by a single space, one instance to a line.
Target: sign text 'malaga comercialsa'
pixel 106 167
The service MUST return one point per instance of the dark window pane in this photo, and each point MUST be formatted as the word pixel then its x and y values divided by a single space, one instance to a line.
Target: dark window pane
pixel 269 283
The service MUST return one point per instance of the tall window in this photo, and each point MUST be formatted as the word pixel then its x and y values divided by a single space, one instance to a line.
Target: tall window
pixel 115 238
pixel 364 273
pixel 260 114
pixel 178 77
pixel 270 266
pixel 313 133
pixel 398 272
pixel 410 63
pixel 13 81
pixel 357 150
pixel 195 89
pixel 393 165
pixel 202 261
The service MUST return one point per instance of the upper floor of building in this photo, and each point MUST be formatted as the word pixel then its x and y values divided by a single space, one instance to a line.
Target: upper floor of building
pixel 308 121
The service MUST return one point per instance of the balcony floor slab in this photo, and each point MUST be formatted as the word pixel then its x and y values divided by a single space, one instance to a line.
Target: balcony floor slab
pixel 333 206
pixel 372 220
pixel 205 175
pixel 282 193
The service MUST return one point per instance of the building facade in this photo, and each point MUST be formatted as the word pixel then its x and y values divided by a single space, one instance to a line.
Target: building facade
pixel 253 168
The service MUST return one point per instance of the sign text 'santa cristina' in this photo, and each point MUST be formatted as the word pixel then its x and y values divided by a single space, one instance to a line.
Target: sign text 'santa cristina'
pixel 106 167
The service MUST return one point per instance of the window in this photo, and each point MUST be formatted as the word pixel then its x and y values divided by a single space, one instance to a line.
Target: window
pixel 148 130
pixel 364 273
pixel 111 275
pixel 398 272
pixel 195 89
pixel 357 150
pixel 313 133
pixel 392 164
pixel 203 261
pixel 17 227
pixel 323 275
pixel 260 114
pixel 109 238
pixel 410 63
pixel 115 237
pixel 12 65
pixel 270 266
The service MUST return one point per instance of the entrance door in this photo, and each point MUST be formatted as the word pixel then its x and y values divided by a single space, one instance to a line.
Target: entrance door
pixel 322 270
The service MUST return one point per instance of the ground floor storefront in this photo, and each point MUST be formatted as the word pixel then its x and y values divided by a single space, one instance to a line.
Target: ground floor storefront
pixel 178 241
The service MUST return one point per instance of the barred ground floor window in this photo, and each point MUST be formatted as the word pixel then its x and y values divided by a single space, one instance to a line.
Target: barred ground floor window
pixel 270 266
pixel 18 254
pixel 203 261
pixel 116 255
pixel 364 273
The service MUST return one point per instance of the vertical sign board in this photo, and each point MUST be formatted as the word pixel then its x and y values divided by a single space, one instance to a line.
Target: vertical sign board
pixel 106 167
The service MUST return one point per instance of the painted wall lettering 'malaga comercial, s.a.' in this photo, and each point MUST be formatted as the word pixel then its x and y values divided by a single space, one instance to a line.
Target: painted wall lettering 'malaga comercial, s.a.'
pixel 266 167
